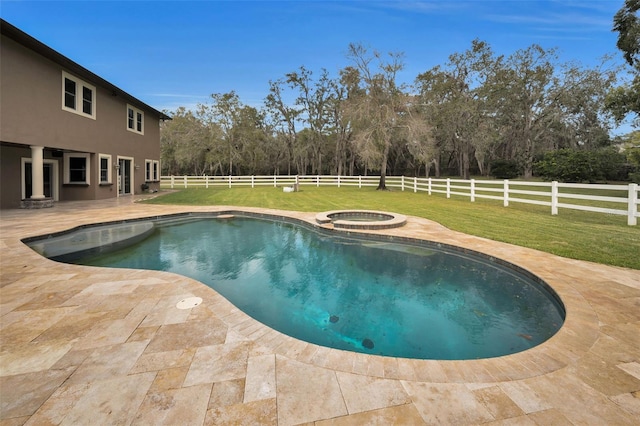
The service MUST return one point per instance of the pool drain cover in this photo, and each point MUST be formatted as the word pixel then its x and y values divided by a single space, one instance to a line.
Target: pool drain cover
pixel 189 302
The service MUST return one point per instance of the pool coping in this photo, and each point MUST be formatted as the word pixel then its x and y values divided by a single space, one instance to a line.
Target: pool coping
pixel 590 321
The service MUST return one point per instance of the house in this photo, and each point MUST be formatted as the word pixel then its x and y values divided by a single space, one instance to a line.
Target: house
pixel 66 133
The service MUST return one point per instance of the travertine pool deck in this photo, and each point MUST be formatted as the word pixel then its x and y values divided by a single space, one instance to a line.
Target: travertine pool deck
pixel 88 346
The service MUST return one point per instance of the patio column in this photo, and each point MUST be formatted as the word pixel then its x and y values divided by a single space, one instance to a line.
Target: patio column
pixel 37 179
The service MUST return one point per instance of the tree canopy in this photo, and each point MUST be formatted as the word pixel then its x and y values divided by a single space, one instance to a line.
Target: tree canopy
pixel 458 118
pixel 625 99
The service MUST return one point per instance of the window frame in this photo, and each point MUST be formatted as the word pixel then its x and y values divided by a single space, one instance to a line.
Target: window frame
pixel 151 171
pixel 79 96
pixel 155 174
pixel 67 170
pixel 137 120
pixel 148 170
pixel 109 180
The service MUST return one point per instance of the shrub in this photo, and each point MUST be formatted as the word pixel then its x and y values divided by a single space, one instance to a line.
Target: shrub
pixel 571 165
pixel 505 169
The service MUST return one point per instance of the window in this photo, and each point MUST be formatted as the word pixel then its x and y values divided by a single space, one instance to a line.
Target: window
pixel 105 169
pixel 151 170
pixel 69 93
pixel 148 170
pixel 87 100
pixel 78 96
pixel 135 120
pixel 76 168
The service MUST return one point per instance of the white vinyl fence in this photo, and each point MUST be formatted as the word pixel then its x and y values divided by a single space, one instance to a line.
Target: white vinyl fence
pixel 552 194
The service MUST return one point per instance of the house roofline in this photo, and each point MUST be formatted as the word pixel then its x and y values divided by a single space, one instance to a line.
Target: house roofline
pixel 19 36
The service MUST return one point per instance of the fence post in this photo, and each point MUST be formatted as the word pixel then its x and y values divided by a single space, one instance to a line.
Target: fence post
pixel 402 182
pixel 359 181
pixel 185 181
pixel 229 181
pixel 448 187
pixel 554 197
pixel 275 181
pixel 338 181
pixel 633 206
pixel 506 193
pixel 415 184
pixel 173 181
pixel 252 184
pixel 473 190
pixel 206 181
pixel 429 186
pixel 318 181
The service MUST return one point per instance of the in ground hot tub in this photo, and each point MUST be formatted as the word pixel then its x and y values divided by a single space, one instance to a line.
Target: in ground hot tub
pixel 361 219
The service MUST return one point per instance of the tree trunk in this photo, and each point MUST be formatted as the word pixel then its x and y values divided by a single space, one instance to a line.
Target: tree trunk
pixel 382 184
pixel 465 162
pixel 383 167
pixel 528 159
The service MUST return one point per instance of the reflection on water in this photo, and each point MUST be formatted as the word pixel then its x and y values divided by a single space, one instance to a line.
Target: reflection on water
pixel 364 296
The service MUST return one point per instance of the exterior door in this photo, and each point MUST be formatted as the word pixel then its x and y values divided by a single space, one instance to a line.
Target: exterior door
pixel 48 176
pixel 124 176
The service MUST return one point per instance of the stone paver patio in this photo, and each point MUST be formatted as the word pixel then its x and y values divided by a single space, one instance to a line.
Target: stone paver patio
pixel 85 345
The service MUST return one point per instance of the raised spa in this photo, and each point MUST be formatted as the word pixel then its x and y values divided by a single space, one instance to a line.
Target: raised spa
pixel 361 219
pixel 415 300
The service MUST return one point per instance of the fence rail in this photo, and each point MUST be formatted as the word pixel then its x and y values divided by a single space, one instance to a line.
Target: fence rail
pixel 551 194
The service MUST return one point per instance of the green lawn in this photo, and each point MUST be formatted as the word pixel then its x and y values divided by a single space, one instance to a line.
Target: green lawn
pixel 575 234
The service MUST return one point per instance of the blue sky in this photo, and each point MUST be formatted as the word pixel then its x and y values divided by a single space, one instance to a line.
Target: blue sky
pixel 177 53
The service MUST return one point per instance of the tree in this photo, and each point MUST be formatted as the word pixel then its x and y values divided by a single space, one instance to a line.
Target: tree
pixel 186 145
pixel 284 119
pixel 376 110
pixel 581 98
pixel 224 113
pixel 626 99
pixel 627 24
pixel 314 102
pixel 418 133
pixel 457 109
pixel 340 126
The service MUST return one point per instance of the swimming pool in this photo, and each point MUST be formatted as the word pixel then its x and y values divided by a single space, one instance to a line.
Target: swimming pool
pixel 365 294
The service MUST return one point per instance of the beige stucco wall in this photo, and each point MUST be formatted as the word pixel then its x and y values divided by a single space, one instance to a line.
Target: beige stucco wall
pixel 31 114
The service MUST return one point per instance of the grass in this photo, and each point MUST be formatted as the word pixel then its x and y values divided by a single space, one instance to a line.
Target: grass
pixel 600 238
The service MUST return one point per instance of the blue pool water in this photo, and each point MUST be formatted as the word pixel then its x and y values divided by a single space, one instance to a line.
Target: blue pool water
pixel 367 296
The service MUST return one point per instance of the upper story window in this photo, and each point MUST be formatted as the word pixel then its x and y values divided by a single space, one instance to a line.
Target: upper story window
pixel 135 120
pixel 78 96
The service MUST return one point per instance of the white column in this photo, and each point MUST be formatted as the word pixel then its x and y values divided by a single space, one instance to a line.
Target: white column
pixel 37 178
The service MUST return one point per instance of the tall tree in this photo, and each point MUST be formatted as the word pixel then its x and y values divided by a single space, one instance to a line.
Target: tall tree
pixel 452 100
pixel 626 99
pixel 187 145
pixel 376 110
pixel 529 105
pixel 340 126
pixel 284 119
pixel 626 23
pixel 314 102
pixel 224 113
